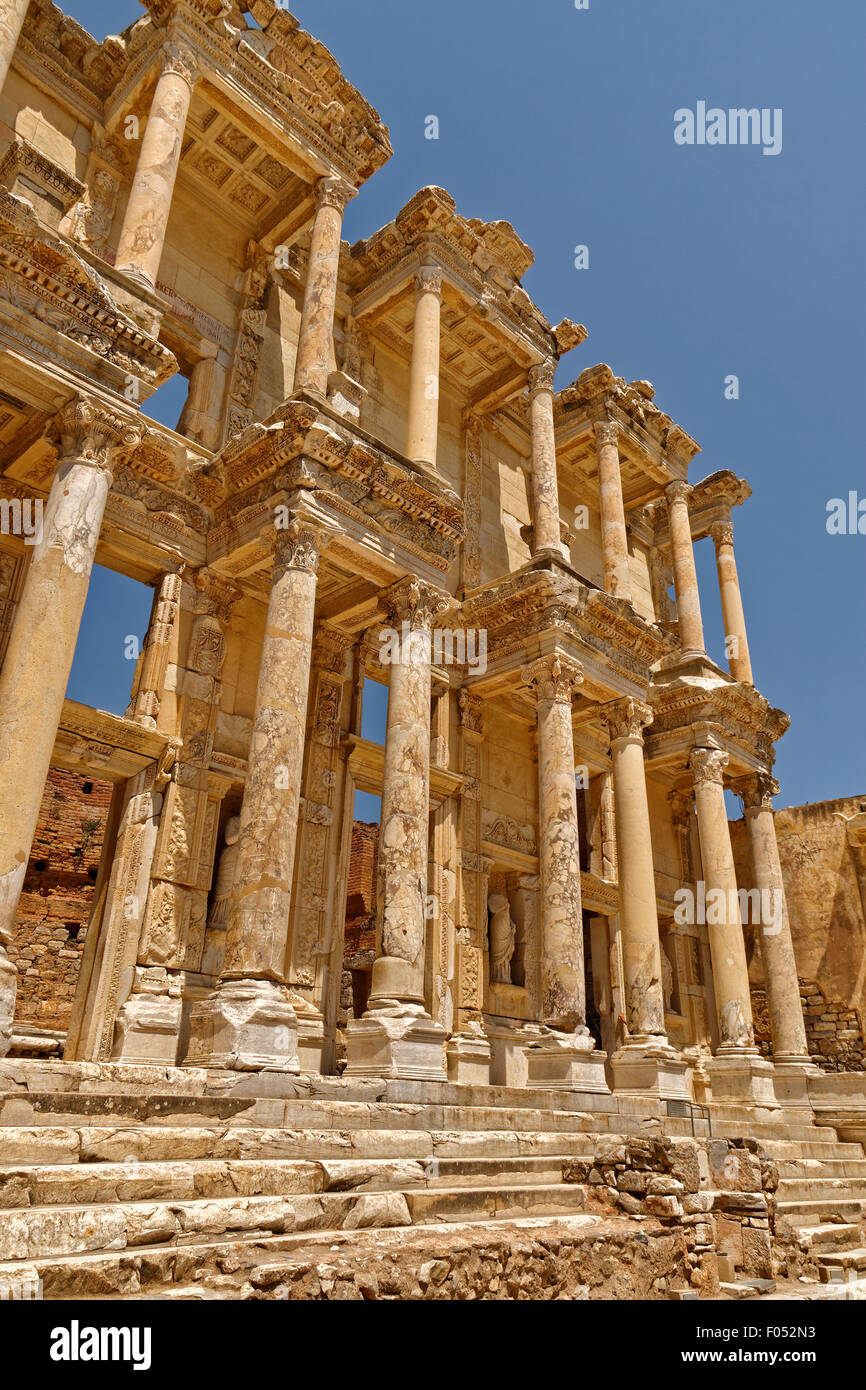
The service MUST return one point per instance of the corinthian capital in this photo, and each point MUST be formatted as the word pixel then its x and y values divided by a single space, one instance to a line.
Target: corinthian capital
pixel 429 280
pixel 708 765
pixel 678 491
pixel 334 192
pixel 627 718
pixel 606 432
pixel 413 602
pixel 553 678
pixel 757 791
pixel 541 378
pixel 86 431
pixel 722 533
pixel 181 59
pixel 298 545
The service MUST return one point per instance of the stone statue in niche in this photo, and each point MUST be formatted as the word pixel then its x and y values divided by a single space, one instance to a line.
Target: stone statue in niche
pixel 217 919
pixel 667 983
pixel 503 933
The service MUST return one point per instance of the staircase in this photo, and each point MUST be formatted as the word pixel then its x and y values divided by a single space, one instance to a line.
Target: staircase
pixel 136 1182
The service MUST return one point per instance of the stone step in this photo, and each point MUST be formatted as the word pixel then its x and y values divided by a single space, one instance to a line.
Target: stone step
pixel 780 1149
pixel 776 1133
pixel 822 1168
pixel 150 1271
pixel 126 1143
pixel 809 1211
pixel 823 1188
pixel 844 1259
pixel 41 1232
pixel 25 1187
pixel 829 1236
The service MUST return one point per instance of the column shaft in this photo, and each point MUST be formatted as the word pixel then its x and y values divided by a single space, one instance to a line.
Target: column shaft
pixel 42 645
pixel 732 603
pixel 685 576
pixel 554 680
pixel 256 936
pixel 12 14
pixel 545 488
pixel 727 945
pixel 638 914
pixel 145 221
pixel 614 536
pixel 422 432
pixel 313 362
pixel 777 948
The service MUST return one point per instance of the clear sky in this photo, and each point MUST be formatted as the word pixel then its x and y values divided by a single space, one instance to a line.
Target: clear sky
pixel 704 262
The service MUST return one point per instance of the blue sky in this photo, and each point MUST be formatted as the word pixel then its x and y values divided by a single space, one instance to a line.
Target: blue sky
pixel 704 262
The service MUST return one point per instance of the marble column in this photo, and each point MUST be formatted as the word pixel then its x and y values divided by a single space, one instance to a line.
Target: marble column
pixel 546 529
pixel 730 969
pixel 780 967
pixel 396 1036
pixel 249 1023
pixel 42 644
pixel 566 1058
pixel 685 576
pixel 12 13
pixel 313 362
pixel 139 249
pixel 646 1062
pixel 736 640
pixel 422 433
pixel 614 536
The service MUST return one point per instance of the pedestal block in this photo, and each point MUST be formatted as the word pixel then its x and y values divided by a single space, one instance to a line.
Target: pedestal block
pixel 246 1025
pixel 566 1062
pixel 742 1080
pixel 650 1068
pixel 403 1044
pixel 468 1059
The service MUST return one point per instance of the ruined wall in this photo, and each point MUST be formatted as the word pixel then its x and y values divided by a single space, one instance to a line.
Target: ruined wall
pixel 825 886
pixel 58 892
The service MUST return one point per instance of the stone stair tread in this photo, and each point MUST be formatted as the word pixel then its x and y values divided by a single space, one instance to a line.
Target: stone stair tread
pixel 848 1259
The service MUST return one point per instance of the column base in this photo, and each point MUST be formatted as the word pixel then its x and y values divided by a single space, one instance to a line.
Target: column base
pixel 402 1043
pixel 8 990
pixel 649 1066
pixel 743 1078
pixel 468 1056
pixel 247 1025
pixel 147 1028
pixel 791 1080
pixel 565 1062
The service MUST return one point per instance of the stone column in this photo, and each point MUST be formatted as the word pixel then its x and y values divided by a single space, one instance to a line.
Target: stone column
pixel 646 1062
pixel 614 537
pixel 313 362
pixel 12 13
pixel 422 434
pixel 564 1058
pixel 249 1023
pixel 685 576
pixel 139 249
pixel 397 1037
pixel 736 642
pixel 546 530
pixel 780 967
pixel 738 1072
pixel 42 644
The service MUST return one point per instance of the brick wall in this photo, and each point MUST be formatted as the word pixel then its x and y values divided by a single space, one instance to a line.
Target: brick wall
pixel 834 1032
pixel 361 889
pixel 57 896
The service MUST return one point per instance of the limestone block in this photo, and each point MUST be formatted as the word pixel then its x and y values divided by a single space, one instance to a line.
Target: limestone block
pixel 147 1029
pixel 566 1062
pixel 378 1209
pixel 247 1025
pixel 408 1047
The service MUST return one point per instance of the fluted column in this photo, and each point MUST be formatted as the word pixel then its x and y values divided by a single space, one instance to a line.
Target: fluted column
pixel 12 13
pixel 614 537
pixel 396 1036
pixel 546 530
pixel 554 680
pixel 42 644
pixel 638 915
pixel 727 944
pixel 780 967
pixel 422 432
pixel 685 576
pixel 313 362
pixel 145 221
pixel 734 618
